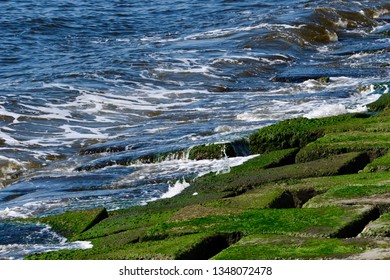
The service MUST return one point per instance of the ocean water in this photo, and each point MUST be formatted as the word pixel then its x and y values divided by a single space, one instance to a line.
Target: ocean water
pixel 87 87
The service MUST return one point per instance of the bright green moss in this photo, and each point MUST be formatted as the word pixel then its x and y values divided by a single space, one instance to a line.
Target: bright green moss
pixel 239 175
pixel 325 221
pixel 375 144
pixel 258 198
pixel 297 133
pixel 167 249
pixel 379 164
pixel 122 221
pixel 239 203
pixel 238 182
pixel 357 191
pixel 352 194
pixel 75 222
pixel 271 247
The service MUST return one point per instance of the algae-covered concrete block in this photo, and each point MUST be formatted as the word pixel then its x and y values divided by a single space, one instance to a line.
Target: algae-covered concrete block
pixel 297 133
pixel 75 222
pixel 379 164
pixel 377 194
pixel 373 144
pixel 241 179
pixel 321 222
pixel 271 247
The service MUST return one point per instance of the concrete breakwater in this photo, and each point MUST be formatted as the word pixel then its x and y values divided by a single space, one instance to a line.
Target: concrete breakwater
pixel 319 190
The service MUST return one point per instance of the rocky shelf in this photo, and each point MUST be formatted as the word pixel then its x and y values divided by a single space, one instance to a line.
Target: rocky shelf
pixel 319 189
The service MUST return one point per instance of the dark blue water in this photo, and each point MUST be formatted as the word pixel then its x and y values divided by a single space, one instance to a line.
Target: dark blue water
pixel 88 87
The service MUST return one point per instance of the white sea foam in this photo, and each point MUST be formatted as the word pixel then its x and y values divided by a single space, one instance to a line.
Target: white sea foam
pixel 327 110
pixel 184 167
pixel 240 59
pixel 9 140
pixel 342 23
pixel 73 132
pixel 53 242
pixel 29 208
pixel 201 167
pixel 177 188
pixel 205 70
pixel 5 112
pixel 13 213
pixel 280 109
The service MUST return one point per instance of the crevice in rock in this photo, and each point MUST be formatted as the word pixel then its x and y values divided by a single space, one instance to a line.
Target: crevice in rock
pixel 211 246
pixel 293 198
pixel 383 208
pixel 354 228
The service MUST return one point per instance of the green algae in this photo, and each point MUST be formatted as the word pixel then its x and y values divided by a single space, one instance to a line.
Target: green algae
pixel 234 183
pixel 219 150
pixel 378 228
pixel 379 164
pixel 122 221
pixel 352 194
pixel 280 247
pixel 297 133
pixel 314 163
pixel 253 199
pixel 73 223
pixel 374 145
pixel 167 249
pixel 326 221
pixel 212 151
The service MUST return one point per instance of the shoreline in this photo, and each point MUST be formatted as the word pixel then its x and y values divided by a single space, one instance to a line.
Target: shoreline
pixel 319 190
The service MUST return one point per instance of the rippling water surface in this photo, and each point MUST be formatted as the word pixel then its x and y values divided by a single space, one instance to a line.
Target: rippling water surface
pixel 87 87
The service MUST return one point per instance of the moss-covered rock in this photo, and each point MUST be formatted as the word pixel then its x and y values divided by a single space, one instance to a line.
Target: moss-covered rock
pixel 353 194
pixel 254 199
pixel 374 145
pixel 234 183
pixel 326 221
pixel 379 164
pixel 383 102
pixel 260 198
pixel 297 133
pixel 284 204
pixel 131 220
pixel 220 150
pixel 271 247
pixel 378 228
pixel 211 151
pixel 177 247
pixel 73 223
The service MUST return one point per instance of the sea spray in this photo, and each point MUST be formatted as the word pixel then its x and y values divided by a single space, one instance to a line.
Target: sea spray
pixel 177 188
